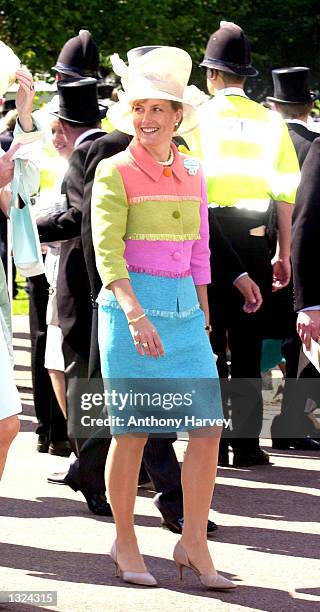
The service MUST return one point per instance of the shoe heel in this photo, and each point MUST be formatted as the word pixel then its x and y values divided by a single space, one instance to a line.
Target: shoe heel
pixel 180 569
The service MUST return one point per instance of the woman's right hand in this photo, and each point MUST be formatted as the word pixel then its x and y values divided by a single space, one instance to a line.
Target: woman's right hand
pixel 7 165
pixel 144 334
pixel 146 338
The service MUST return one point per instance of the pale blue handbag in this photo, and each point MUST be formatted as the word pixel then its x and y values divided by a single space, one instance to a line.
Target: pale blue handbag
pixel 25 238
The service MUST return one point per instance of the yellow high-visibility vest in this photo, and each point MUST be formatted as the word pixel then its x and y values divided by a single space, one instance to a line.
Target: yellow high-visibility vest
pixel 248 155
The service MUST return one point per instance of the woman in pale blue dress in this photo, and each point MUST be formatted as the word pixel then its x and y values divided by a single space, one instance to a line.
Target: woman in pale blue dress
pixel 10 404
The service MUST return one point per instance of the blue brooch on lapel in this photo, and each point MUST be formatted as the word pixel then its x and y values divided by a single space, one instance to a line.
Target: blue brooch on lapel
pixel 192 165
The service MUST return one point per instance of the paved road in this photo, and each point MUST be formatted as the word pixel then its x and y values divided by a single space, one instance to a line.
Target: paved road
pixel 268 538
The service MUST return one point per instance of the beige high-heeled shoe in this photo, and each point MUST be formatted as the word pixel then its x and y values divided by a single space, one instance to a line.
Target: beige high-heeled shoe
pixel 210 581
pixel 142 578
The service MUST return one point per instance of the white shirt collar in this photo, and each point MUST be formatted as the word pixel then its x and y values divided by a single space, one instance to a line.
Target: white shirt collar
pixel 231 91
pixel 84 135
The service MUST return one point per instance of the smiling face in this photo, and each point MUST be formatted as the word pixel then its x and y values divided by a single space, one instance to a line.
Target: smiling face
pixel 59 140
pixel 154 123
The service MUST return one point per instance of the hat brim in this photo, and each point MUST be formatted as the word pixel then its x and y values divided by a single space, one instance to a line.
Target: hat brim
pixel 65 71
pixel 313 96
pixel 76 73
pixel 120 113
pixel 249 71
pixel 106 103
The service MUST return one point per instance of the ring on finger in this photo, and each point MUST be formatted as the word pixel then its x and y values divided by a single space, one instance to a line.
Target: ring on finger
pixel 31 87
pixel 136 342
pixel 144 344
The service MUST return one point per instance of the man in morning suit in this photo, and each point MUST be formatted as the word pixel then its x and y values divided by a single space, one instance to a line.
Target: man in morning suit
pixel 305 242
pixel 80 116
pixel 293 99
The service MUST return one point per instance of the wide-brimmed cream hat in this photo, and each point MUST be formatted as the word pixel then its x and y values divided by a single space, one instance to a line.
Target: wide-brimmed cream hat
pixel 9 64
pixel 161 73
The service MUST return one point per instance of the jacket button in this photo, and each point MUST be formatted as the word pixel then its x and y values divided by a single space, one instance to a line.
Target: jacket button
pixel 176 255
pixel 176 214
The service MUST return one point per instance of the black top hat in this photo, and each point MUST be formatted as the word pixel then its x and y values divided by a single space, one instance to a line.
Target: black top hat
pixel 228 49
pixel 78 101
pixel 79 57
pixel 291 86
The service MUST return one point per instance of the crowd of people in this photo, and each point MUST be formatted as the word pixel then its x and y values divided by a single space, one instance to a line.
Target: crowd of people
pixel 169 254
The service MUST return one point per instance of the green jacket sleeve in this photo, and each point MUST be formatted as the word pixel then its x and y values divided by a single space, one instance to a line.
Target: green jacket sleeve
pixel 109 211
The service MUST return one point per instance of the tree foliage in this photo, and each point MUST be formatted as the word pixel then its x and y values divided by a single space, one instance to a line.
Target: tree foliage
pixel 281 34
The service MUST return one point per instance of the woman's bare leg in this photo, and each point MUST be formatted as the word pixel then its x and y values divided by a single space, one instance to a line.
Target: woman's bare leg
pixel 198 479
pixel 122 472
pixel 58 382
pixel 9 428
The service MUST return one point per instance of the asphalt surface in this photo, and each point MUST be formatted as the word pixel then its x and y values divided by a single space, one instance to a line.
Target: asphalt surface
pixel 267 542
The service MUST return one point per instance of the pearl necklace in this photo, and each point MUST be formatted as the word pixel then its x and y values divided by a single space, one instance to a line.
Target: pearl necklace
pixel 169 161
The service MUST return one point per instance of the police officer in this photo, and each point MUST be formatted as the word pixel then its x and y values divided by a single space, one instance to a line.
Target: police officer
pixel 248 158
pixel 78 58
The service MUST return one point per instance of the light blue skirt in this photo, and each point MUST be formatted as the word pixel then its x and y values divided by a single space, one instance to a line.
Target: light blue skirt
pixel 179 391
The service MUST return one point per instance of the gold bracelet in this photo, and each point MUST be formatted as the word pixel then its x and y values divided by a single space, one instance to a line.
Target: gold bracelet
pixel 136 319
pixel 208 328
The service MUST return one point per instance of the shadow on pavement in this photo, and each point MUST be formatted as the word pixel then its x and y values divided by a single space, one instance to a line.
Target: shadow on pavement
pixel 272 541
pixel 296 477
pixel 21 336
pixel 27 426
pixel 98 569
pixel 295 454
pixel 27 409
pixel 22 607
pixel 266 503
pixel 26 349
pixel 22 368
pixel 54 507
pixel 313 592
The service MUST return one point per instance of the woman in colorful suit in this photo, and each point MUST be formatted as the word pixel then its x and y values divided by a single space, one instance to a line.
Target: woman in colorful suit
pixel 150 233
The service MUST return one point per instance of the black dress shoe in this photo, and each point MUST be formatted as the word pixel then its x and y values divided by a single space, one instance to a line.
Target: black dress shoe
pixel 97 502
pixel 146 485
pixel 306 444
pixel 223 457
pixel 177 525
pixel 57 478
pixel 250 458
pixel 60 448
pixel 43 443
